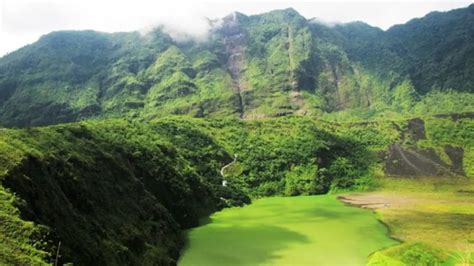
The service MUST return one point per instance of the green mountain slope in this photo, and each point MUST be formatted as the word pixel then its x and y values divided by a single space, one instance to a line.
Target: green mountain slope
pixel 273 64
pixel 437 50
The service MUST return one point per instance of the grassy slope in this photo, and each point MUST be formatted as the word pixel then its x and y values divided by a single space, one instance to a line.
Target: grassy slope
pixel 432 216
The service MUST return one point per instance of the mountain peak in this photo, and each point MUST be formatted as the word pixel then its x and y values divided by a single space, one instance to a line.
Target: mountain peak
pixel 288 12
pixel 234 17
pixel 288 15
pixel 291 10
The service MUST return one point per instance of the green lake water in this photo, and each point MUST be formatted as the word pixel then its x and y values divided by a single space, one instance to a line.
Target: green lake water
pixel 304 230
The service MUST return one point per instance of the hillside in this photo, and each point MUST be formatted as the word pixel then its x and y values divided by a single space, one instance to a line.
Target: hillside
pixel 112 192
pixel 120 192
pixel 273 64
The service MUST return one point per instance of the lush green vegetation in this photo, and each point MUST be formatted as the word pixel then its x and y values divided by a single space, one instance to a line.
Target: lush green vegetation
pixel 111 191
pixel 170 169
pixel 409 254
pixel 110 176
pixel 287 65
pixel 282 231
pixel 325 110
pixel 21 241
pixel 271 152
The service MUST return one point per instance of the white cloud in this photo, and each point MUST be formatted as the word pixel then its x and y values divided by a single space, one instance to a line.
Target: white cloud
pixel 182 28
pixel 24 21
pixel 326 23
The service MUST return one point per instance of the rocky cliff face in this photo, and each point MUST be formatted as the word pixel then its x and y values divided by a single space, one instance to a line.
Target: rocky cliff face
pixel 234 42
pixel 421 147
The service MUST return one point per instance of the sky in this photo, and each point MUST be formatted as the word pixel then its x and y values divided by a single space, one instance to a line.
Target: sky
pixel 24 21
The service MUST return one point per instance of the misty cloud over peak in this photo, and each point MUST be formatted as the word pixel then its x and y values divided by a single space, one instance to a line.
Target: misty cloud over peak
pixel 24 21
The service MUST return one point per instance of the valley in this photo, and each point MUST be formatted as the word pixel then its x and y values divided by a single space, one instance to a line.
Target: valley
pixel 95 170
pixel 275 139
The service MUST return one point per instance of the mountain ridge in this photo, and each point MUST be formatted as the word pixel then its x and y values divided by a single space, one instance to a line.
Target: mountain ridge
pixel 272 64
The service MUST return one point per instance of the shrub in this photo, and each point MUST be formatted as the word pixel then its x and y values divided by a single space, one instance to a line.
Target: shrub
pixel 301 180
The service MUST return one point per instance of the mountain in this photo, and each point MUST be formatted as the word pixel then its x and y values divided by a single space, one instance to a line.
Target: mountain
pixel 273 64
pixel 268 105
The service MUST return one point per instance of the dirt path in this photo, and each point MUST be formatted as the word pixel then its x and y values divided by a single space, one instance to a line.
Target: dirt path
pixel 227 165
pixel 441 219
pixel 375 200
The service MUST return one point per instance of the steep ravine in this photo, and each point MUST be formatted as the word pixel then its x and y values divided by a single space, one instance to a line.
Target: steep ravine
pixel 234 41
